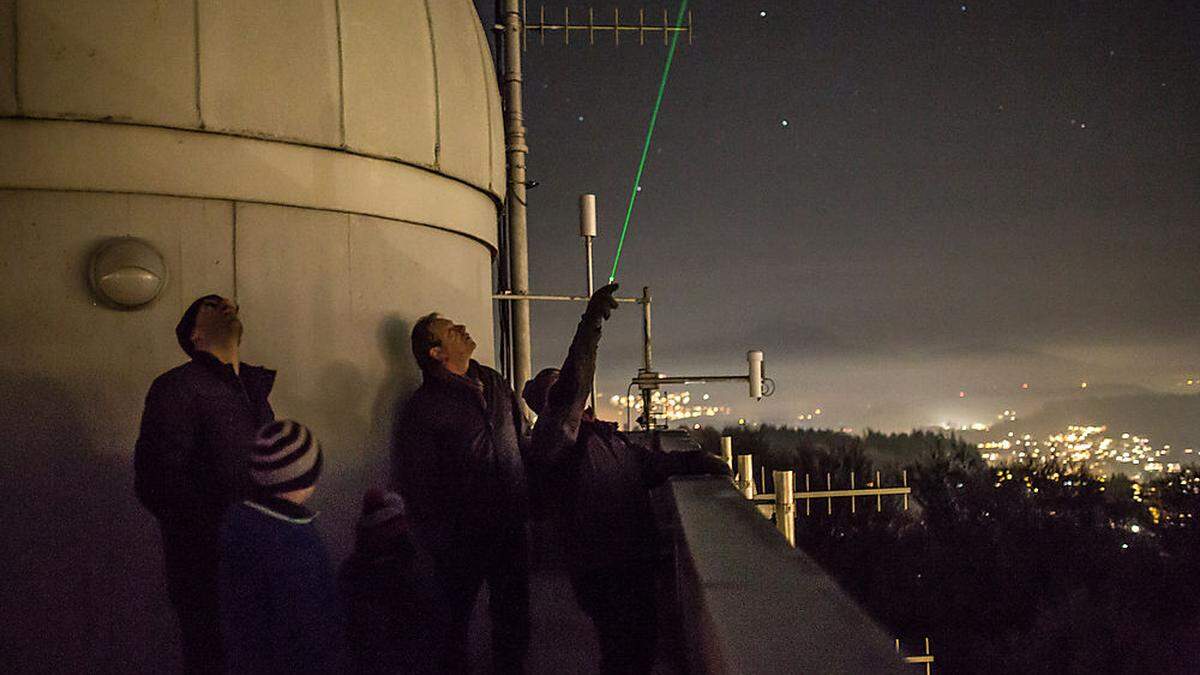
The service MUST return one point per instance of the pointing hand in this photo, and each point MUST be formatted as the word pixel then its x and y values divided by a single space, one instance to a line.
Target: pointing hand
pixel 601 305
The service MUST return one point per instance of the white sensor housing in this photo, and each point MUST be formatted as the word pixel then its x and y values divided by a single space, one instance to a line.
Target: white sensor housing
pixel 587 215
pixel 755 359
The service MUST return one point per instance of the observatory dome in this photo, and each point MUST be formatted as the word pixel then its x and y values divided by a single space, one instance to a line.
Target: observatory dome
pixel 334 167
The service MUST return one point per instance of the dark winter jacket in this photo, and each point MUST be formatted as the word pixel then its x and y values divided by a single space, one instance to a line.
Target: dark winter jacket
pixel 190 459
pixel 279 603
pixel 597 477
pixel 459 465
pixel 396 617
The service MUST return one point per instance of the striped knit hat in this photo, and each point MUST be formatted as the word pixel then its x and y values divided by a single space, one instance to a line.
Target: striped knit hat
pixel 382 520
pixel 285 457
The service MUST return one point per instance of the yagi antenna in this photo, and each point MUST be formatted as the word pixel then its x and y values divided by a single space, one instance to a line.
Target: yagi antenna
pixel 591 28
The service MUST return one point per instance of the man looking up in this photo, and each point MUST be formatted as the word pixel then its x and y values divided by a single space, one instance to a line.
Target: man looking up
pixel 459 468
pixel 599 481
pixel 190 462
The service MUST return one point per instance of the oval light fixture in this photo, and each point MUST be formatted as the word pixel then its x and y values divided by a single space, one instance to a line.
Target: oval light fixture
pixel 127 272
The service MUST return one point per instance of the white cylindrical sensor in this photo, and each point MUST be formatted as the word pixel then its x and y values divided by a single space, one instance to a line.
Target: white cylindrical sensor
pixel 755 359
pixel 587 215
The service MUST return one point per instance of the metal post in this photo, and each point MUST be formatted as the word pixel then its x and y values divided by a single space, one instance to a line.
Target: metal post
pixel 727 451
pixel 587 230
pixel 518 245
pixel 904 477
pixel 745 475
pixel 785 504
pixel 647 365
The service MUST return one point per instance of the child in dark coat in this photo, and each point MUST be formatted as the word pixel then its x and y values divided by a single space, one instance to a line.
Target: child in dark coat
pixel 279 603
pixel 397 621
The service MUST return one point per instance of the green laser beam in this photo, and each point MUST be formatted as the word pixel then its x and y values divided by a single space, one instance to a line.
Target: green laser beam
pixel 637 181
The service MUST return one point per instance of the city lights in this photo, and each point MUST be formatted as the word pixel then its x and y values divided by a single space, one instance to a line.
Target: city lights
pixel 1085 447
pixel 671 406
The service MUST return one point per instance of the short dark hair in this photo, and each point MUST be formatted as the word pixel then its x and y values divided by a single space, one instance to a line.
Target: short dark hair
pixel 423 340
pixel 187 323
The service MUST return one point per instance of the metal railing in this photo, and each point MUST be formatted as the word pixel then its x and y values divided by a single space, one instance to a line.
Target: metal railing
pixel 781 505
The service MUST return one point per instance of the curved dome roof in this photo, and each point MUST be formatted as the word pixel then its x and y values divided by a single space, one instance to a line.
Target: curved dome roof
pixel 406 80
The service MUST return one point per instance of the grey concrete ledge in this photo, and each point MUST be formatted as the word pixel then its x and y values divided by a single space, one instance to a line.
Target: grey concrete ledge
pixel 101 157
pixel 752 604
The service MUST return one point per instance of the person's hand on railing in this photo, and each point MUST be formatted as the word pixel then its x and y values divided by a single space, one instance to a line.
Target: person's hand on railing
pixel 711 465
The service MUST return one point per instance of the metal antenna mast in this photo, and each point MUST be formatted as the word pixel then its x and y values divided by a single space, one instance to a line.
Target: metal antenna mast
pixel 512 33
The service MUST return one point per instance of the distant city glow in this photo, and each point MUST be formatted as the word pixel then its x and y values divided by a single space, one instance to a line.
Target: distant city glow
pixel 672 406
pixel 1086 447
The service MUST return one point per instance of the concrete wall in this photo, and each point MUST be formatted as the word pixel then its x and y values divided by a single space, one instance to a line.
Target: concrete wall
pixel 328 299
pixel 334 166
pixel 750 603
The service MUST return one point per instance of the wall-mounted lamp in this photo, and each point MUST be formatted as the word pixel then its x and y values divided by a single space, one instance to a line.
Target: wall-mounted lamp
pixel 127 273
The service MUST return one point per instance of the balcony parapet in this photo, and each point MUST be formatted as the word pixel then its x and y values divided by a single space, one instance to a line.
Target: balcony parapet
pixel 750 603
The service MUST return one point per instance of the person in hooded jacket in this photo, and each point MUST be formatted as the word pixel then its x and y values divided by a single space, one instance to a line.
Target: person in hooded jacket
pixel 190 462
pixel 599 481
pixel 396 616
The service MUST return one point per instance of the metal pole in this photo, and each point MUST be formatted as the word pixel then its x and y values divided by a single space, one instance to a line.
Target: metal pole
pixel 647 366
pixel 727 451
pixel 587 230
pixel 591 288
pixel 587 252
pixel 745 475
pixel 564 298
pixel 503 279
pixel 518 245
pixel 785 505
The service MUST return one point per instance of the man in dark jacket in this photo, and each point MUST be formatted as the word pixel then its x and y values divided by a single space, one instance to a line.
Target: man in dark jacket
pixel 460 470
pixel 600 483
pixel 190 462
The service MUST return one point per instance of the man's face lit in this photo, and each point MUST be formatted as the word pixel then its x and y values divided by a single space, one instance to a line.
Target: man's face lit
pixel 217 321
pixel 454 343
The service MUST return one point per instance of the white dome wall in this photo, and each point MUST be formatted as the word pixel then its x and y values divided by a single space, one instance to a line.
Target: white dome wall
pixel 363 80
pixel 334 166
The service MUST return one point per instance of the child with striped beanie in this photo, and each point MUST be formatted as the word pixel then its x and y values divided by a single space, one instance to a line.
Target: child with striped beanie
pixel 279 602
pixel 397 619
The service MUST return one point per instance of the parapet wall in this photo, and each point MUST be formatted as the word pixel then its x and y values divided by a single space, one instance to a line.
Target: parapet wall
pixel 752 604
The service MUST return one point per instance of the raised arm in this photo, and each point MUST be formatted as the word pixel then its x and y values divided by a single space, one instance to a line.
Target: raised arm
pixel 557 427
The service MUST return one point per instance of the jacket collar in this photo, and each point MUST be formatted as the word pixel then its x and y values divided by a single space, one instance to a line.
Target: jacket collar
pixel 225 371
pixel 472 381
pixel 280 508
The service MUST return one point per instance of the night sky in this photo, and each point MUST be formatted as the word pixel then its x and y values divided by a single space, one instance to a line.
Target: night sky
pixel 914 208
